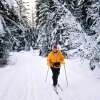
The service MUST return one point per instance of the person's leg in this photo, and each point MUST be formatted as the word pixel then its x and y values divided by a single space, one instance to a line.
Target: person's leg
pixel 55 72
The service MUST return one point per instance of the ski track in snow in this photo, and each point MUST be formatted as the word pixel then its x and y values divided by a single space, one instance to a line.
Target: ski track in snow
pixel 24 80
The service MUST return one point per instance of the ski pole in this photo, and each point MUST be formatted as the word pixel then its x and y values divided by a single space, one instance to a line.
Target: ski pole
pixel 66 75
pixel 47 75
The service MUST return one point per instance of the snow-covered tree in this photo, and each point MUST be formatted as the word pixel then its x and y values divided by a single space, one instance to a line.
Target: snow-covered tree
pixel 4 42
pixel 45 20
pixel 54 25
pixel 13 29
pixel 87 13
pixel 6 15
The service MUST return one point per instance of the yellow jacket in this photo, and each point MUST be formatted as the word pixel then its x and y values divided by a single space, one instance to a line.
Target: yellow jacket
pixel 55 57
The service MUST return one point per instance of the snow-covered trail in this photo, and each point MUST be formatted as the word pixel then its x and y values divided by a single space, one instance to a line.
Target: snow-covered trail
pixel 24 80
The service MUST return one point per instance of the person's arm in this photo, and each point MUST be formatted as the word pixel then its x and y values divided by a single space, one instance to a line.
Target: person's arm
pixel 49 60
pixel 62 58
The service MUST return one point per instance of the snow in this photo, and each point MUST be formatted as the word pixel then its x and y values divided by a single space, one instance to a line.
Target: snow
pixel 24 79
pixel 11 3
pixel 1 26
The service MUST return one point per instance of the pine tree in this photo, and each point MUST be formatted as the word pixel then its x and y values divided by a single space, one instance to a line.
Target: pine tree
pixel 43 21
pixel 13 32
pixel 80 9
pixel 53 28
pixel 4 43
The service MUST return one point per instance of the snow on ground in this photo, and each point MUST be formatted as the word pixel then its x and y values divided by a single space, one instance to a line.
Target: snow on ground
pixel 24 79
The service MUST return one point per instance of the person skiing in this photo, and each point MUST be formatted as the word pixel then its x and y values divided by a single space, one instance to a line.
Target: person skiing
pixel 55 59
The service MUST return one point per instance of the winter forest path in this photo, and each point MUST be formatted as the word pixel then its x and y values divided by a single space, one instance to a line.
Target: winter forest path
pixel 24 80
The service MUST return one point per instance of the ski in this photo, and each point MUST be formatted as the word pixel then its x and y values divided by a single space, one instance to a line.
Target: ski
pixel 55 89
pixel 60 87
pixel 57 93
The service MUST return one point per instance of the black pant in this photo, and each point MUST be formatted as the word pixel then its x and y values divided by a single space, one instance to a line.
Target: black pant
pixel 55 72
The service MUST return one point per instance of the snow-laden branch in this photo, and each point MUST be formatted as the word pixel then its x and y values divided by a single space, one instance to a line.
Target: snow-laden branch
pixel 12 21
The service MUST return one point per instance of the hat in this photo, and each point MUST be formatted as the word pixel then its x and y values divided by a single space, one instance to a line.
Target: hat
pixel 54 47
